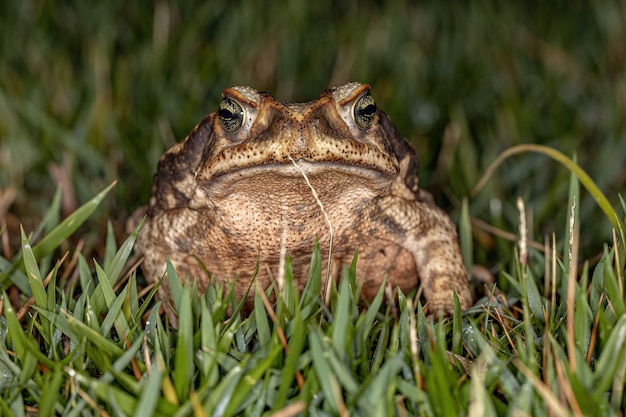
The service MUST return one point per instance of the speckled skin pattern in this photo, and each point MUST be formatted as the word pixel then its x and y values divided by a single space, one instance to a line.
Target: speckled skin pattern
pixel 229 199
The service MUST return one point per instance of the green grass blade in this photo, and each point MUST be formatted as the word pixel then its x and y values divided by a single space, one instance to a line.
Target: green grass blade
pixel 583 177
pixel 60 233
pixel 208 337
pixel 183 356
pixel 220 396
pixel 253 376
pixel 176 286
pixel 342 325
pixel 32 271
pixel 150 392
pixel 103 294
pixel 614 352
pixel 50 392
pixel 377 389
pixel 322 368
pixel 262 323
pixel 290 367
pixel 110 246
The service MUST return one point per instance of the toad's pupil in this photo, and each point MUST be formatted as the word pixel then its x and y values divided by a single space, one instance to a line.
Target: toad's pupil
pixel 369 110
pixel 227 114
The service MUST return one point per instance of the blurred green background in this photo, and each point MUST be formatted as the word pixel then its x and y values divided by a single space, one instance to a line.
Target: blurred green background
pixel 92 92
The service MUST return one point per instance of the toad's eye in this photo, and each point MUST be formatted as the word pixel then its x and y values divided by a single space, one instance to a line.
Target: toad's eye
pixel 230 114
pixel 364 111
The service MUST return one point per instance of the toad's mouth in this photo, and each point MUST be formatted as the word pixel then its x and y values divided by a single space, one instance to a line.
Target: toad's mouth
pixel 302 166
pixel 326 174
pixel 241 161
pixel 299 167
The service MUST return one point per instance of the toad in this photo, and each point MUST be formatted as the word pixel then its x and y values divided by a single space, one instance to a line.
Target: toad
pixel 259 175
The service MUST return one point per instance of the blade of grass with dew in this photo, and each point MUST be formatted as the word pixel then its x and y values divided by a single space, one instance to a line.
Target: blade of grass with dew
pixel 496 369
pixel 146 304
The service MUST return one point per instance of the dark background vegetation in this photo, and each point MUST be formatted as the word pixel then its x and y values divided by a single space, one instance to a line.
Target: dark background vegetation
pixel 92 92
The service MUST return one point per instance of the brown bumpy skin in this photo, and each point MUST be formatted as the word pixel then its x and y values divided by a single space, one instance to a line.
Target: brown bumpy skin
pixel 230 195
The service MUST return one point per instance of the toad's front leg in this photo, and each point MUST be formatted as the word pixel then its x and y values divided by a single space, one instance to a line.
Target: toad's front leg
pixel 430 235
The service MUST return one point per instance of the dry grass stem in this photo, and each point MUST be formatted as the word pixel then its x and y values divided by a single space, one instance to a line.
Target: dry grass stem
pixel 279 331
pixel 594 333
pixel 571 284
pixel 523 233
pixel 503 233
pixel 413 339
pixel 553 403
pixel 553 275
pixel 295 409
pixel 566 388
pixel 331 229
pixel 618 270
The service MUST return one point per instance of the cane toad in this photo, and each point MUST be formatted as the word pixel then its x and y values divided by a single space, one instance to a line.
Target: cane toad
pixel 240 187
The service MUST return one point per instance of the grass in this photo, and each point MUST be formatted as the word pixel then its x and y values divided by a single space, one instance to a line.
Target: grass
pixel 93 94
pixel 87 351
